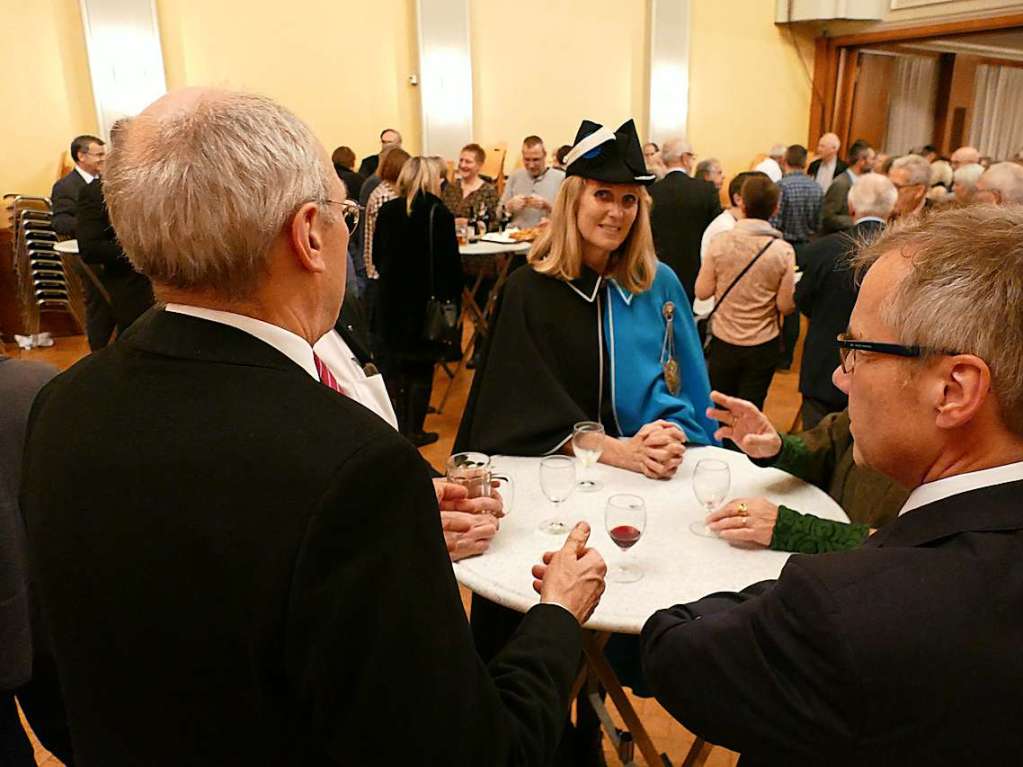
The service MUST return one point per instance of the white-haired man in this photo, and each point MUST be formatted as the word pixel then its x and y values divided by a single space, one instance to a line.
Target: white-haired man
pixel 1001 184
pixel 964 182
pixel 771 165
pixel 964 155
pixel 683 208
pixel 906 650
pixel 911 175
pixel 530 191
pixel 835 215
pixel 261 571
pixel 828 164
pixel 827 291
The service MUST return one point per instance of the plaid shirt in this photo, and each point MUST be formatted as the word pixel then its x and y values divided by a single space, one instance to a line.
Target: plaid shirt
pixel 799 215
pixel 383 193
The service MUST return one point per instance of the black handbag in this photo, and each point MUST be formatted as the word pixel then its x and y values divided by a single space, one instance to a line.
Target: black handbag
pixel 440 325
pixel 703 327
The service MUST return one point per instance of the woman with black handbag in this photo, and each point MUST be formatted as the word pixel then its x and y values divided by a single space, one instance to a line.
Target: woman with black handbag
pixel 749 271
pixel 416 254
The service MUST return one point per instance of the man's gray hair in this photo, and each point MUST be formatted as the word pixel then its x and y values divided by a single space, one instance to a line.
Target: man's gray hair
pixel 1007 179
pixel 674 148
pixel 918 167
pixel 873 195
pixel 964 293
pixel 968 175
pixel 777 151
pixel 198 196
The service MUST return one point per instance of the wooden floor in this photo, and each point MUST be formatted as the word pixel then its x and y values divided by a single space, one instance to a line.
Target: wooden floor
pixel 669 736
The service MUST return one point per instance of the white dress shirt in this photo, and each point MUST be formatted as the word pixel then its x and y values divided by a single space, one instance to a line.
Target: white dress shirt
pixel 723 222
pixel 368 391
pixel 962 483
pixel 84 174
pixel 826 173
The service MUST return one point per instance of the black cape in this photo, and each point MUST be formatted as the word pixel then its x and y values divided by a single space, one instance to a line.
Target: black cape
pixel 545 367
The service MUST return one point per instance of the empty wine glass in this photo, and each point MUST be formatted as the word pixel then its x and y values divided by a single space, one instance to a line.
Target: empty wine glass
pixel 625 520
pixel 557 480
pixel 588 444
pixel 711 480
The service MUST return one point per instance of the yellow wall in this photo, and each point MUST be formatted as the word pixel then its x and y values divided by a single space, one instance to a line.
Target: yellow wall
pixel 45 95
pixel 341 66
pixel 747 87
pixel 552 63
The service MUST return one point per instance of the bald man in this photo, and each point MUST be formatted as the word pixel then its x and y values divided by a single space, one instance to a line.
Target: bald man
pixel 964 155
pixel 828 164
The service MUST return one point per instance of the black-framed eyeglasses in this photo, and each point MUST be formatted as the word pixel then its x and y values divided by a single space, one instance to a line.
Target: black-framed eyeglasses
pixel 351 212
pixel 847 346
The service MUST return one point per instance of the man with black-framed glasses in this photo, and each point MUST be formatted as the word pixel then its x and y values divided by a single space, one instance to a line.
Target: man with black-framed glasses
pixel 906 650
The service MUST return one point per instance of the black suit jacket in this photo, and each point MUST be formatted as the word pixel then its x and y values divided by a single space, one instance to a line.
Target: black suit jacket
pixel 97 243
pixel 368 166
pixel 840 167
pixel 682 209
pixel 243 567
pixel 826 294
pixel 64 199
pixel 904 652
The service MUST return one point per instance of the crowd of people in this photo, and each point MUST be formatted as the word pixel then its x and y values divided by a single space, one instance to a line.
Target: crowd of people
pixel 268 579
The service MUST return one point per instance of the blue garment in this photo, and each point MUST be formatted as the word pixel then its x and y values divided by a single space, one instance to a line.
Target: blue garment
pixel 639 392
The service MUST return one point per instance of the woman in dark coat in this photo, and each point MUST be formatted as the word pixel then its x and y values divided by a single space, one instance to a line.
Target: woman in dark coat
pixel 410 229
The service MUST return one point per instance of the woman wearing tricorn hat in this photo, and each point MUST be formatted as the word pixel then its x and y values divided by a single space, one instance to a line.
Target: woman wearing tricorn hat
pixel 596 330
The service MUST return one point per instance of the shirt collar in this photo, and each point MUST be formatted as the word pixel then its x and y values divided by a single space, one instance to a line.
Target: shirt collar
pixel 676 170
pixel 756 226
pixel 292 346
pixel 869 218
pixel 962 483
pixel 84 174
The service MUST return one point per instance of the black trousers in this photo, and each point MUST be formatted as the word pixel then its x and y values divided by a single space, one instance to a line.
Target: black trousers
pixel 43 705
pixel 743 371
pixel 99 315
pixel 410 384
pixel 131 294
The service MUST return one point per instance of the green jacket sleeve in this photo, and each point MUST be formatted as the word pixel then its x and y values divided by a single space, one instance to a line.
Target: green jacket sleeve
pixel 812 455
pixel 807 534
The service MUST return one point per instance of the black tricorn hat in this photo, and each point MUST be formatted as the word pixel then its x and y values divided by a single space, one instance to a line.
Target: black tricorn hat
pixel 616 158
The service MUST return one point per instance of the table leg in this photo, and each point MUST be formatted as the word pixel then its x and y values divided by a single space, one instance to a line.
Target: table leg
pixel 593 646
pixel 698 753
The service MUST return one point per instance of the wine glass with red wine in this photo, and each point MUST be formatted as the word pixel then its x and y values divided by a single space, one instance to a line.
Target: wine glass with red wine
pixel 625 520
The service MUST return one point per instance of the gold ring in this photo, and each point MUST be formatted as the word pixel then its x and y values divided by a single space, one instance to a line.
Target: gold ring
pixel 743 510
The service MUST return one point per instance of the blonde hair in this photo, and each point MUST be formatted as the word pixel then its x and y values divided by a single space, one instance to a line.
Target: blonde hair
pixel 420 174
pixel 197 197
pixel 964 293
pixel 558 252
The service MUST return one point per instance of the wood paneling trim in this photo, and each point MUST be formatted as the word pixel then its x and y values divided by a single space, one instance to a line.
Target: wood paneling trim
pixel 930 30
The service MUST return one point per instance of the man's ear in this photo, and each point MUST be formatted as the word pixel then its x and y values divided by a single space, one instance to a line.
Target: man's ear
pixel 306 237
pixel 964 388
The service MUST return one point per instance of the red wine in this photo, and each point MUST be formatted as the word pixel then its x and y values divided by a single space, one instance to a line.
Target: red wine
pixel 625 536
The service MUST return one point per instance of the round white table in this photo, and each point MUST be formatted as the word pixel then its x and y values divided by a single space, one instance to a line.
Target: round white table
pixel 67 246
pixel 488 248
pixel 678 565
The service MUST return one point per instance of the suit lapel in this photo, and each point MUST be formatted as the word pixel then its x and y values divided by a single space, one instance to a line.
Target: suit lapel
pixel 987 509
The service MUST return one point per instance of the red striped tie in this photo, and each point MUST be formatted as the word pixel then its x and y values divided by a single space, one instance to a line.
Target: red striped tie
pixel 326 377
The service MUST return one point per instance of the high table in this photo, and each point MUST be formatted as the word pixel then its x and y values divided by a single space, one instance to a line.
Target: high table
pixel 678 565
pixel 481 316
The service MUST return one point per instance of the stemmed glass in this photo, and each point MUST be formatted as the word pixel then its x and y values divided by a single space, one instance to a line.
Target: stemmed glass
pixel 625 520
pixel 711 481
pixel 557 480
pixel 588 444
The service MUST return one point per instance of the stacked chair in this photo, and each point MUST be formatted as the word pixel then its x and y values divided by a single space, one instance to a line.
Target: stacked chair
pixel 44 283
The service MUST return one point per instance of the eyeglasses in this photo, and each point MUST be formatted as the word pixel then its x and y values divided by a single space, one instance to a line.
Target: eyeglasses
pixel 351 212
pixel 848 346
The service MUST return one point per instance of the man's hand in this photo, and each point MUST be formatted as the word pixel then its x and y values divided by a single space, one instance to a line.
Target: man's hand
pixel 573 576
pixel 538 202
pixel 452 497
pixel 746 426
pixel 467 535
pixel 745 522
pixel 516 203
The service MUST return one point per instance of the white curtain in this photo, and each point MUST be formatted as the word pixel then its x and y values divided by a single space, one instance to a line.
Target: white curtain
pixel 997 128
pixel 911 108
